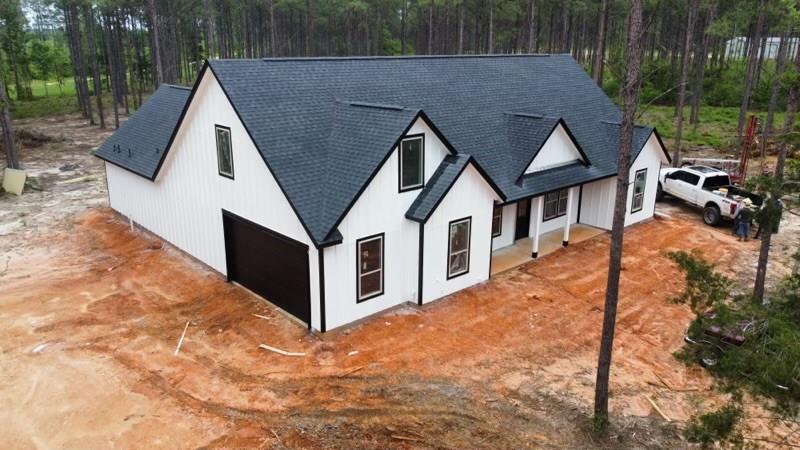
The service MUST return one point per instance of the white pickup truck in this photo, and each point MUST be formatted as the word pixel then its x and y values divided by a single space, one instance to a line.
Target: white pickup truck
pixel 704 187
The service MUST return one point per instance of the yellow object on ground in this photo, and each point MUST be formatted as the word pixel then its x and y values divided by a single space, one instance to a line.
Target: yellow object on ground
pixel 14 180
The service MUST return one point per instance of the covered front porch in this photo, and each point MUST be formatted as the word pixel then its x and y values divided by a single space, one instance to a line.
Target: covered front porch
pixel 533 227
pixel 520 252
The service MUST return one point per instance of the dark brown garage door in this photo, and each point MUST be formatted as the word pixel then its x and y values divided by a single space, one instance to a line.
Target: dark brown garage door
pixel 270 264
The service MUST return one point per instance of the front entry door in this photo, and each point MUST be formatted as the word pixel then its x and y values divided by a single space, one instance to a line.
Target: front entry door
pixel 523 219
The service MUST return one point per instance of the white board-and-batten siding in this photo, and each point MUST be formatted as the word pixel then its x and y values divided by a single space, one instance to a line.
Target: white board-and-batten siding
pixel 470 196
pixel 184 205
pixel 597 206
pixel 508 228
pixel 557 150
pixel 379 209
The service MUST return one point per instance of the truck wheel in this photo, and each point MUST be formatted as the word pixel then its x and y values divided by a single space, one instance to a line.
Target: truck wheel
pixel 659 193
pixel 711 215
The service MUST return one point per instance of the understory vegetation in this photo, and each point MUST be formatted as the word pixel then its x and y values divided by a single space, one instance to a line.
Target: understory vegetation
pixel 747 346
pixel 716 426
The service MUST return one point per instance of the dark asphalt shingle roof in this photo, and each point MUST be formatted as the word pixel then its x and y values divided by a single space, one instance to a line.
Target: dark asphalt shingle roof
pixel 437 187
pixel 140 142
pixel 360 137
pixel 325 125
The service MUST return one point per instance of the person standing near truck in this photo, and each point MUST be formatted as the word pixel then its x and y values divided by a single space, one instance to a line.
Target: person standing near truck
pixel 743 219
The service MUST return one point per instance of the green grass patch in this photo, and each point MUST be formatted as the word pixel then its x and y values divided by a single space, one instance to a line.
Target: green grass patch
pixel 44 106
pixel 716 125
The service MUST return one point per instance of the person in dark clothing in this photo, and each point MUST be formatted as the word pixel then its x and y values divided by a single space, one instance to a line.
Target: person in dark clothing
pixel 743 220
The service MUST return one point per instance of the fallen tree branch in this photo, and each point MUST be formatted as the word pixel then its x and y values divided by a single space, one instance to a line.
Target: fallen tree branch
pixel 279 351
pixel 183 335
pixel 351 371
pixel 658 410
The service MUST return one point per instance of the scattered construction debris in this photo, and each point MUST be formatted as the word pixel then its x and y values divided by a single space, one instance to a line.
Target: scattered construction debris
pixel 183 335
pixel 351 371
pixel 405 438
pixel 658 410
pixel 279 351
pixel 14 181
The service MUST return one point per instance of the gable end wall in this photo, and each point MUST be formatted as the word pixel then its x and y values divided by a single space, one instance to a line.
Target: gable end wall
pixel 184 205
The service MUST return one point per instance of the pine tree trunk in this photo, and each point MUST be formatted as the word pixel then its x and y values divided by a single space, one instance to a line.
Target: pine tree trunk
pixel 111 65
pixel 687 57
pixel 88 13
pixel 532 26
pixel 792 96
pixel 156 43
pixel 752 66
pixel 273 32
pixel 12 161
pixel 702 60
pixel 430 28
pixel 490 45
pixel 84 71
pixel 780 64
pixel 761 55
pixel 630 90
pixel 403 19
pixel 599 56
pixel 461 28
pixel 763 257
pixel 309 27
pixel 69 26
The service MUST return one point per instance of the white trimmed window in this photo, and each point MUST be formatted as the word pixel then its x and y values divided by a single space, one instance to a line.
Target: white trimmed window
pixel 639 182
pixel 370 267
pixel 412 163
pixel 458 247
pixel 224 151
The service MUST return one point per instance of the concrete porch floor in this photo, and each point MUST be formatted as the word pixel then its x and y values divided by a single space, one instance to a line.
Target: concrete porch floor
pixel 520 252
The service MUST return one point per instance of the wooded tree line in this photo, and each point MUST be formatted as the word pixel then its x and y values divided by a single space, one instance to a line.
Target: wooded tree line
pixel 129 47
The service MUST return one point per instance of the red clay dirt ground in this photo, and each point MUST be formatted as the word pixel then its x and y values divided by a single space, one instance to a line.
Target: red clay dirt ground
pixel 89 320
pixel 90 314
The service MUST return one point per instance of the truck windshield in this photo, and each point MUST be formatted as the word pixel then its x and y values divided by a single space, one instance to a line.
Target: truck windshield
pixel 716 181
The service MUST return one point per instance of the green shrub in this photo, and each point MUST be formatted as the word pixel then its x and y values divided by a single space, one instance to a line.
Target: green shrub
pixel 717 426
pixel 704 286
pixel 767 363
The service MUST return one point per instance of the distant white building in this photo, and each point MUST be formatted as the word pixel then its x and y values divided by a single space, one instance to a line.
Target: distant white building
pixel 737 47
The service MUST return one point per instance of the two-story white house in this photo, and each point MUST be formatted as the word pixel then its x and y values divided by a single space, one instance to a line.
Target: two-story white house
pixel 339 187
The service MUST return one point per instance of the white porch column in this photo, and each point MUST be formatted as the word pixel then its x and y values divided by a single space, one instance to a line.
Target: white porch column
pixel 570 197
pixel 538 204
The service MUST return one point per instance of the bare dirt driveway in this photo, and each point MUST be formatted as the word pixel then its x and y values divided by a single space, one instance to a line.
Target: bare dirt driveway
pixel 90 315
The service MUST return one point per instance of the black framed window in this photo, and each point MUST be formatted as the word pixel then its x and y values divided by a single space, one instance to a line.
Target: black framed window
pixel 497 221
pixel 370 267
pixel 639 182
pixel 412 163
pixel 555 204
pixel 224 151
pixel 458 247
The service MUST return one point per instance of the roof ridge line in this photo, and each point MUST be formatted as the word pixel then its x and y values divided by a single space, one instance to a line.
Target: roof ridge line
pixel 350 58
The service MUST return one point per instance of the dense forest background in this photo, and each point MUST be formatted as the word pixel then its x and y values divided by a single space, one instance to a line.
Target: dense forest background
pixel 123 49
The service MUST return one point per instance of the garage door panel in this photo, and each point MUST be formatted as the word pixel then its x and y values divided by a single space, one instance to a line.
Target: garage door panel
pixel 270 264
